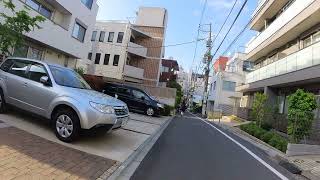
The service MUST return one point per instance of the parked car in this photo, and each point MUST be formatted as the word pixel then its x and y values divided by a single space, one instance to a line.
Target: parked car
pixel 136 99
pixel 59 94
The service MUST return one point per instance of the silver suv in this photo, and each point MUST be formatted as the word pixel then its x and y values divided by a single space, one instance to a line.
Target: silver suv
pixel 59 94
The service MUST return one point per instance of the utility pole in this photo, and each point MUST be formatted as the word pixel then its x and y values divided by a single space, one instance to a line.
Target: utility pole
pixel 207 60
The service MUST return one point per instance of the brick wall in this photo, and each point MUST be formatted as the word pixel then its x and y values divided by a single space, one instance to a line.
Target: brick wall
pixel 151 64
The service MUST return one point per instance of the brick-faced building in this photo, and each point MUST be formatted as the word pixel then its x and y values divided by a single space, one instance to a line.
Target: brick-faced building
pixel 169 69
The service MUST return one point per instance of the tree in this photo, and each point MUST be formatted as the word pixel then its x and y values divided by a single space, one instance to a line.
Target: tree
pixel 300 114
pixel 79 70
pixel 259 108
pixel 179 94
pixel 12 27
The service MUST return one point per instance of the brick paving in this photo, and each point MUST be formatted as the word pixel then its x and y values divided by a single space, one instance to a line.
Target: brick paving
pixel 26 156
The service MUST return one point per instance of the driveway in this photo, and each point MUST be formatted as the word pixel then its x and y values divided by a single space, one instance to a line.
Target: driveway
pixel 118 145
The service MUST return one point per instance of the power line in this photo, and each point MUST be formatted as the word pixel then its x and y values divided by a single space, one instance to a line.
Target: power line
pixel 225 21
pixel 198 33
pixel 234 21
pixel 150 47
pixel 236 38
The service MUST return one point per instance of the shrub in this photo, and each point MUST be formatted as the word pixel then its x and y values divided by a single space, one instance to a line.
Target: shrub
pixel 167 110
pixel 300 114
pixel 259 132
pixel 267 136
pixel 278 142
pixel 266 126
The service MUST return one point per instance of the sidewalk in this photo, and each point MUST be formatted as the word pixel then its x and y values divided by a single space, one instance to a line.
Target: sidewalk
pixel 309 165
pixel 26 156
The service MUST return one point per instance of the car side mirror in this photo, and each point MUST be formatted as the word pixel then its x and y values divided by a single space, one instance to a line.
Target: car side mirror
pixel 45 80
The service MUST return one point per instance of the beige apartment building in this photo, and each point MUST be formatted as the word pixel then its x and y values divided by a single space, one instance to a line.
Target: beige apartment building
pixel 65 34
pixel 285 52
pixel 130 52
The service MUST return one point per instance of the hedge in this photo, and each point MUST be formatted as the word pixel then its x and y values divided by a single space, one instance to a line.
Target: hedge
pixel 269 137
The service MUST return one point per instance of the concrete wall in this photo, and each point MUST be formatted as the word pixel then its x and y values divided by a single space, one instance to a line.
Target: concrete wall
pixel 152 16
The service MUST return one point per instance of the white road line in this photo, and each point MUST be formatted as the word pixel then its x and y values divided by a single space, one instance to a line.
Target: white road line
pixel 281 176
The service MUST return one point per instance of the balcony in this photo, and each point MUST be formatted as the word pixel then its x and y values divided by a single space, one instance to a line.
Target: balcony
pixel 287 16
pixel 137 50
pixel 55 32
pixel 133 72
pixel 304 58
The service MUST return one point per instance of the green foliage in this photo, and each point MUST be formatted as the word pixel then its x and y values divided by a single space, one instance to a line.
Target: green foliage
pixel 300 115
pixel 278 142
pixel 269 137
pixel 79 70
pixel 14 26
pixel 179 94
pixel 259 108
pixel 167 110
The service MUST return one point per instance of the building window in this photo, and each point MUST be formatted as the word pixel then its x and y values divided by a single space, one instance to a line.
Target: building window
pixel 94 35
pixel 229 86
pixel 116 60
pixel 102 35
pixel 307 42
pixel 97 60
pixel 40 8
pixel 120 37
pixel 89 56
pixel 87 3
pixel 106 59
pixel 316 37
pixel 79 32
pixel 45 12
pixel 111 36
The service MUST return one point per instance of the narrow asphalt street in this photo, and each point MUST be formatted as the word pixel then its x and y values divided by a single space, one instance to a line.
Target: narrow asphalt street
pixel 191 149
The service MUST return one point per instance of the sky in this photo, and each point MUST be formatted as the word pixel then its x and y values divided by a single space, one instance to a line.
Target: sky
pixel 183 21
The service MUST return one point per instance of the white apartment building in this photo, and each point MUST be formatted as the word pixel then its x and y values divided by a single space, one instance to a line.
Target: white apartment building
pixel 127 51
pixel 65 34
pixel 222 93
pixel 286 53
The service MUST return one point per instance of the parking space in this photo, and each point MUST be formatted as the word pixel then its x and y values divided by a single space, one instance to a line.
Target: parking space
pixel 118 145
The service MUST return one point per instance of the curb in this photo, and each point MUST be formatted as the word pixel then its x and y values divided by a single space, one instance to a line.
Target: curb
pixel 122 167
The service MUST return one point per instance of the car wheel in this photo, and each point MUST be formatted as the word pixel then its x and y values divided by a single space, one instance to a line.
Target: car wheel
pixel 66 125
pixel 150 111
pixel 2 103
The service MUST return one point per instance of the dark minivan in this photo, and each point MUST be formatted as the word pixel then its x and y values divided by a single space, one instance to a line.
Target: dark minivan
pixel 136 99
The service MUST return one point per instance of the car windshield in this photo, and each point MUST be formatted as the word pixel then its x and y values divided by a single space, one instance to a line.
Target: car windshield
pixel 68 77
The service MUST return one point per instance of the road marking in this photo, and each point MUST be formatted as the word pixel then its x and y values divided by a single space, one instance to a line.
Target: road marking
pixel 281 176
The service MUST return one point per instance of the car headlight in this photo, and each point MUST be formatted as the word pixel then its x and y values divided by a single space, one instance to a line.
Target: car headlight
pixel 106 109
pixel 160 105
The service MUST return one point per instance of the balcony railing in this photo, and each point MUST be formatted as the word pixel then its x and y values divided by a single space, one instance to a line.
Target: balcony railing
pixel 304 58
pixel 137 49
pixel 296 8
pixel 133 72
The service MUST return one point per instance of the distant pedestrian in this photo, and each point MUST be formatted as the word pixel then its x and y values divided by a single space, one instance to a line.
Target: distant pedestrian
pixel 183 107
